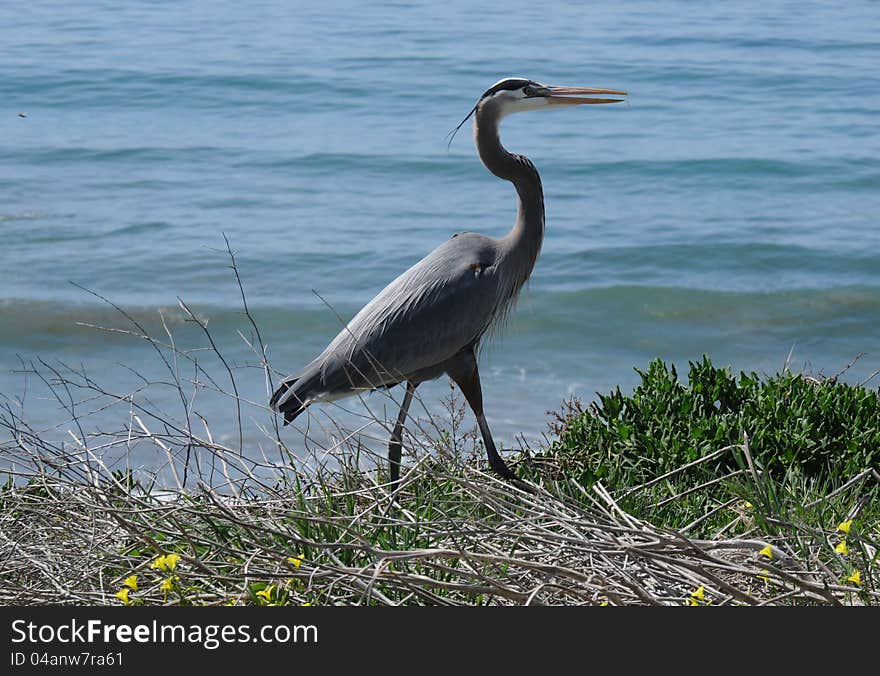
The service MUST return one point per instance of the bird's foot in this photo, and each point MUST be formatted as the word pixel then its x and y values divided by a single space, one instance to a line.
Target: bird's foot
pixel 500 467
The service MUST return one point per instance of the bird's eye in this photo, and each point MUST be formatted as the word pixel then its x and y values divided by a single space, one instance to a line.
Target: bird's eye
pixel 528 91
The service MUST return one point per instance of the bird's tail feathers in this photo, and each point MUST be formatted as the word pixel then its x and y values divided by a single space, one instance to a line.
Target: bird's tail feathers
pixel 282 389
pixel 285 401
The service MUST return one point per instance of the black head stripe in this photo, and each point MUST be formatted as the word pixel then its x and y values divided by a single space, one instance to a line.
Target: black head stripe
pixel 510 84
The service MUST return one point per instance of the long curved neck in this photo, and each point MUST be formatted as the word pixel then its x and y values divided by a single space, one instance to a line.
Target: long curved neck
pixel 523 243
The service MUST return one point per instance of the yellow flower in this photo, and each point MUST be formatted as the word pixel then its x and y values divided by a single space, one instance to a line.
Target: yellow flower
pixel 841 548
pixel 266 594
pixel 308 604
pixel 764 576
pixel 166 562
pixel 855 578
pixel 844 526
pixel 122 595
pixel 233 602
pixel 699 593
pixel 168 583
pixel 295 561
pixel 131 582
pixel 693 602
pixel 747 504
pixel 767 551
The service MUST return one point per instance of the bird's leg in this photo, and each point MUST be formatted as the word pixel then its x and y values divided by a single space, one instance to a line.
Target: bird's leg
pixel 463 370
pixel 395 443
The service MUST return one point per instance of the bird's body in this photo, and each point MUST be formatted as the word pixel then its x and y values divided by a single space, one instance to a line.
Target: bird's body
pixel 429 321
pixel 415 324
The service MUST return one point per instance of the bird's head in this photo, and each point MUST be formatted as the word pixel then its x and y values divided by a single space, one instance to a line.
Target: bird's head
pixel 515 94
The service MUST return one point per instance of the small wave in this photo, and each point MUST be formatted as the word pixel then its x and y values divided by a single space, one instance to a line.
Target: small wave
pixel 144 228
pixel 738 42
pixel 26 322
pixel 55 236
pixel 23 216
pixel 739 266
pixel 652 308
pixel 751 167
pixel 117 155
pixel 383 164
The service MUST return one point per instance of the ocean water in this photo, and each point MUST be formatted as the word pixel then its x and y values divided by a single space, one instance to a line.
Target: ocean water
pixel 730 207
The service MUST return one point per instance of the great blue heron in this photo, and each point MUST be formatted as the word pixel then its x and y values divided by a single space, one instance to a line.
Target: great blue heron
pixel 430 320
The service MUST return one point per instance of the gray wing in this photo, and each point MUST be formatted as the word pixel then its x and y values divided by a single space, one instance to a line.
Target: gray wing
pixel 442 304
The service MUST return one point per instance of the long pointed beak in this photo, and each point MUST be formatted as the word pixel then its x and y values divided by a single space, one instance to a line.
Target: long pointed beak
pixel 573 96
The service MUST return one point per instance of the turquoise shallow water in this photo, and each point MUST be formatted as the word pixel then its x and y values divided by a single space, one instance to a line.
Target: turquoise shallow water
pixel 731 207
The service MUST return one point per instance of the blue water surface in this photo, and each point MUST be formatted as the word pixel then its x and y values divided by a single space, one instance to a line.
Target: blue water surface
pixel 730 207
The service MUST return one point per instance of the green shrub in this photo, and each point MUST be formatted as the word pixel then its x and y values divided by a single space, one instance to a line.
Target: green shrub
pixel 823 429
